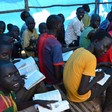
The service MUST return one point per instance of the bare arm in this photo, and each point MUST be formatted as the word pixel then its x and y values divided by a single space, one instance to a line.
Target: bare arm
pixel 23 105
pixel 85 85
pixel 59 72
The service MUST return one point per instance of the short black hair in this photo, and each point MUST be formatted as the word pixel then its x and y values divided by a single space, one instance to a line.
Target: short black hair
pixel 109 16
pixel 3 63
pixel 62 16
pixel 3 23
pixel 9 27
pixel 86 7
pixel 53 21
pixel 23 15
pixel 3 42
pixel 100 34
pixel 79 8
pixel 41 25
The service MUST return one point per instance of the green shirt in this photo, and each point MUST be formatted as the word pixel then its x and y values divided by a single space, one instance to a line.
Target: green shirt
pixel 84 40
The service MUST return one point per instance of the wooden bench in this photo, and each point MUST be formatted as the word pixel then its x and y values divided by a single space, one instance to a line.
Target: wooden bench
pixel 89 106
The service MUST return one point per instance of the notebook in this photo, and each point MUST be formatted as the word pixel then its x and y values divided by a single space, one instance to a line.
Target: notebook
pixel 58 106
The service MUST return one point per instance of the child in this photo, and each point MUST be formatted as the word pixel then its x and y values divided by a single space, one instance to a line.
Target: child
pixel 29 37
pixel 5 50
pixel 61 36
pixel 10 83
pixel 2 27
pixel 42 28
pixel 17 47
pixel 24 15
pixel 49 47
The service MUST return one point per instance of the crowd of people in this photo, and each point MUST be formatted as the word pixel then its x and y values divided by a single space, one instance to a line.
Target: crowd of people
pixel 84 34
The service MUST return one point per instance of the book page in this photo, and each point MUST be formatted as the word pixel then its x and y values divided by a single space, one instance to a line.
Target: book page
pixel 26 65
pixel 66 55
pixel 20 64
pixel 27 68
pixel 29 60
pixel 55 107
pixel 33 78
pixel 104 79
pixel 52 95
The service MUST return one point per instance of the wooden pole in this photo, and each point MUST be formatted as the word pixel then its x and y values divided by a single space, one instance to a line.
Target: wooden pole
pixel 96 6
pixel 26 5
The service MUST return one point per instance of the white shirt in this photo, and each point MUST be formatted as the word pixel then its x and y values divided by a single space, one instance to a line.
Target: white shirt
pixel 74 29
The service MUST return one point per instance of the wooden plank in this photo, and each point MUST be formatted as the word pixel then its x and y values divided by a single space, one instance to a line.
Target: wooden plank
pixel 89 106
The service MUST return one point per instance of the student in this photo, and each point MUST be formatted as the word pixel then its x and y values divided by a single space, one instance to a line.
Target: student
pixel 61 36
pixel 42 28
pixel 17 47
pixel 23 94
pixel 9 26
pixel 24 15
pixel 105 24
pixel 29 37
pixel 2 27
pixel 50 51
pixel 88 32
pixel 107 57
pixel 5 50
pixel 81 66
pixel 74 29
pixel 10 83
pixel 86 18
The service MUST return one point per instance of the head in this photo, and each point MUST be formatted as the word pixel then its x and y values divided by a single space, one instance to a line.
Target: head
pixel 43 28
pixel 15 31
pixel 2 27
pixel 54 24
pixel 5 50
pixel 95 21
pixel 7 38
pixel 62 17
pixel 86 7
pixel 9 26
pixel 101 41
pixel 80 13
pixel 24 15
pixel 30 23
pixel 109 16
pixel 10 79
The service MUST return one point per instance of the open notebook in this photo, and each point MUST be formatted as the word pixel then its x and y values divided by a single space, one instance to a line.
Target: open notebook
pixel 59 106
pixel 29 68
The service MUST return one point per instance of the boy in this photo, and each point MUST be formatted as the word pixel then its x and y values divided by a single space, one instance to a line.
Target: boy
pixel 50 51
pixel 29 37
pixel 2 27
pixel 24 15
pixel 42 28
pixel 10 82
pixel 88 32
pixel 5 50
pixel 81 66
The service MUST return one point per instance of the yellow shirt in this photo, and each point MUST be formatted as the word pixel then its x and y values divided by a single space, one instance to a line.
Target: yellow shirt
pixel 81 62
pixel 86 20
pixel 27 35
